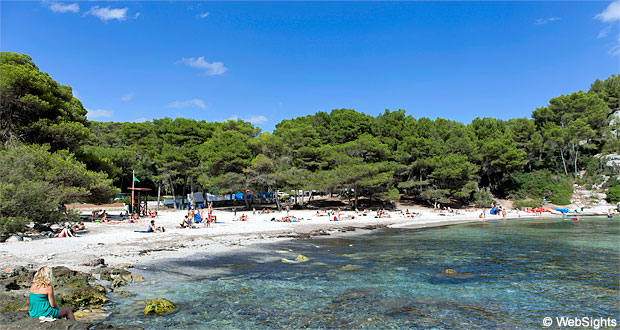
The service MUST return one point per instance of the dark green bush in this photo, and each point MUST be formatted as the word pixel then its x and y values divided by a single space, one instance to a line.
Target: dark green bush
pixel 35 183
pixel 531 203
pixel 540 184
pixel 482 198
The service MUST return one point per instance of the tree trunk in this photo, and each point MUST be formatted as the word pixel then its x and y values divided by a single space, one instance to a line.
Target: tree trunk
pixel 184 187
pixel 563 161
pixel 278 200
pixel 158 196
pixel 245 199
pixel 191 183
pixel 302 198
pixel 174 197
pixel 576 155
pixel 356 198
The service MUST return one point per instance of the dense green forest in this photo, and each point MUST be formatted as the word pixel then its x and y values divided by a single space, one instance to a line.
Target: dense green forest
pixel 45 135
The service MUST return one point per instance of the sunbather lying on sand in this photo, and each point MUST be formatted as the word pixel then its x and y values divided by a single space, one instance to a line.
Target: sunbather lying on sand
pixel 65 232
pixel 287 218
pixel 382 214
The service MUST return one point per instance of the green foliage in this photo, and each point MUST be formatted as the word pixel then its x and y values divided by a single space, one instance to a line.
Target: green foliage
pixel 613 190
pixel 531 203
pixel 35 182
pixel 36 109
pixel 482 198
pixel 540 184
pixel 340 151
pixel 613 194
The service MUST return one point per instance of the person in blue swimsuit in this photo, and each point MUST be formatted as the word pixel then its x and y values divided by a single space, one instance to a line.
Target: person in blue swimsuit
pixel 42 301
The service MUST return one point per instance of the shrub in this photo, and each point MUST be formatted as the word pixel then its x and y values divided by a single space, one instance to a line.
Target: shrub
pixel 531 203
pixel 613 194
pixel 482 198
pixel 35 183
pixel 538 185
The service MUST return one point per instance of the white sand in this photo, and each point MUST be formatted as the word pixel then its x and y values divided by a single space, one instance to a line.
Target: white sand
pixel 118 243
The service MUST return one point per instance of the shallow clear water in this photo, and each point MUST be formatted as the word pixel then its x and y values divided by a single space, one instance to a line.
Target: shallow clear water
pixel 510 274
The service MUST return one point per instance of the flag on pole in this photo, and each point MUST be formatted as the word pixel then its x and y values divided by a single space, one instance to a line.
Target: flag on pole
pixel 136 179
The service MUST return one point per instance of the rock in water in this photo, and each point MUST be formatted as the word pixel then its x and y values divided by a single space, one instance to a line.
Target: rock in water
pixel 159 306
pixel 91 315
pixel 302 258
pixel 349 267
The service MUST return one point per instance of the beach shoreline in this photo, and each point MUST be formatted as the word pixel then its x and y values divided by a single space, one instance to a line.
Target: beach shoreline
pixel 120 244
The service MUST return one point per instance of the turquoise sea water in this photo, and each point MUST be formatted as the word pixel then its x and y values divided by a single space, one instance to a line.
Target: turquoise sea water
pixel 509 274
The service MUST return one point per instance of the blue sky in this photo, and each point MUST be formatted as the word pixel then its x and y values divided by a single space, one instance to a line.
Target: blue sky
pixel 265 62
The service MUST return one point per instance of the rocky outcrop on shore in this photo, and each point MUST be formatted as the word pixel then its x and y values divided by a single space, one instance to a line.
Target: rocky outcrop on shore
pixel 72 288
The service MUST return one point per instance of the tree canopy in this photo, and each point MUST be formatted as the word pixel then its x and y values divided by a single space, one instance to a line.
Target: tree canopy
pixel 382 157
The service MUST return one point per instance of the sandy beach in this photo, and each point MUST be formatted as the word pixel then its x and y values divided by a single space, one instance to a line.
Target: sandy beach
pixel 121 244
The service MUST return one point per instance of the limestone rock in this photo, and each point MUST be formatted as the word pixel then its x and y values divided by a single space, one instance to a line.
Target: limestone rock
pixel 125 294
pixel 159 306
pixel 13 301
pixel 117 283
pixel 91 315
pixel 351 267
pixel 302 258
pixel 85 297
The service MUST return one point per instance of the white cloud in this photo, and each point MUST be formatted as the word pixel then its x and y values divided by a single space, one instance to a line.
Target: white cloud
pixel 75 94
pixel 59 7
pixel 189 103
pixel 211 68
pixel 611 13
pixel 542 21
pixel 604 32
pixel 107 13
pixel 141 120
pixel 136 15
pixel 204 15
pixel 616 49
pixel 99 114
pixel 254 119
pixel 127 97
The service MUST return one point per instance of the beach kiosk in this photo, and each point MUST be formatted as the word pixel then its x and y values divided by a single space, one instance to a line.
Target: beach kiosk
pixel 137 204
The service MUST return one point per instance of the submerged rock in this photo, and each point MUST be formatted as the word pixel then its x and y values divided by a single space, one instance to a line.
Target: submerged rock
pixel 302 258
pixel 159 306
pixel 125 294
pixel 351 267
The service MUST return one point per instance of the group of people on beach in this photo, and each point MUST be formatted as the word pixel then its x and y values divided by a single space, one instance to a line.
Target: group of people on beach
pixel 67 231
pixel 197 216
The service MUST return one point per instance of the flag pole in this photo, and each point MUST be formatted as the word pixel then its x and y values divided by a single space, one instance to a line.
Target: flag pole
pixel 133 182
